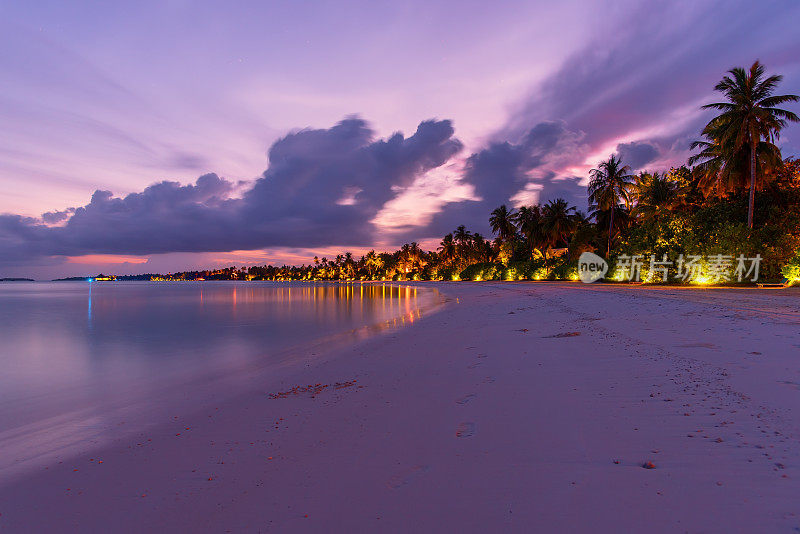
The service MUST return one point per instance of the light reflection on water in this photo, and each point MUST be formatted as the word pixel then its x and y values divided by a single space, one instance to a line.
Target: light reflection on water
pixel 76 356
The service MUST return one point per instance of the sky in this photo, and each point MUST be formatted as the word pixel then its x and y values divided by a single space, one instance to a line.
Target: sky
pixel 174 135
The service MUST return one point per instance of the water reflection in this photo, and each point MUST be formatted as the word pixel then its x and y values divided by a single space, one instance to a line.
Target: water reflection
pixel 75 353
pixel 90 304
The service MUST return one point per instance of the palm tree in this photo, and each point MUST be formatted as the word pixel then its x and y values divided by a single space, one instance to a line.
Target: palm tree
pixel 656 194
pixel 529 219
pixel 410 257
pixel 372 262
pixel 610 182
pixel 583 235
pixel 749 115
pixel 339 262
pixel 720 170
pixel 349 265
pixel 481 249
pixel 558 220
pixel 417 255
pixel 462 237
pixel 504 223
pixel 447 249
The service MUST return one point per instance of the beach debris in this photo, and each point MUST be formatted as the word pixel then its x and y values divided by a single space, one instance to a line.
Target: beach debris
pixel 466 398
pixel 523 330
pixel 465 430
pixel 565 334
pixel 649 465
pixel 616 461
pixel 312 389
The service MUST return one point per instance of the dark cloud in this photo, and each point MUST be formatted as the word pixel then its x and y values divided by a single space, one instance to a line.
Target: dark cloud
pixel 296 202
pixel 637 154
pixel 503 169
pixel 311 172
pixel 165 217
pixel 56 217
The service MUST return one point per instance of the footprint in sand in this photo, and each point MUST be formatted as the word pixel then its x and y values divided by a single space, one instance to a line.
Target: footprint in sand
pixel 401 479
pixel 465 430
pixel 466 398
pixel 474 365
pixel 564 334
pixel 489 380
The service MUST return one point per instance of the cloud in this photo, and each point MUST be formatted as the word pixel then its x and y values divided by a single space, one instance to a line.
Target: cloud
pixel 56 217
pixel 637 154
pixel 504 169
pixel 296 202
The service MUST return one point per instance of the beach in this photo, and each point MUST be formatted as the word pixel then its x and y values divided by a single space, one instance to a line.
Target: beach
pixel 514 407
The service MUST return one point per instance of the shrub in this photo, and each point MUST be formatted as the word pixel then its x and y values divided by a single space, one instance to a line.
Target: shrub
pixel 791 270
pixel 565 270
pixel 482 271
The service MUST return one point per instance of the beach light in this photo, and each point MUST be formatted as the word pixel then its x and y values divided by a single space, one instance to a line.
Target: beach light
pixel 702 280
pixel 541 273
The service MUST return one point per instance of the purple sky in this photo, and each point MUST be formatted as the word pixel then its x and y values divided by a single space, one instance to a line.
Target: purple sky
pixel 270 129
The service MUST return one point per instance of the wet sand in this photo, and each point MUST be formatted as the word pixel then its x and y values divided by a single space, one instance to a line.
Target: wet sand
pixel 517 407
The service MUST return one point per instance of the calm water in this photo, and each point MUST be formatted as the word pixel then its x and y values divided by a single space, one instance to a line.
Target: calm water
pixel 79 361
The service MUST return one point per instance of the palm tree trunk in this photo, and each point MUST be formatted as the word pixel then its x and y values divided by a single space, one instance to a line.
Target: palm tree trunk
pixel 610 228
pixel 752 202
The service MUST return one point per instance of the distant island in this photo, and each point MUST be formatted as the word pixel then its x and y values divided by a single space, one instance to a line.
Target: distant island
pixel 98 278
pixel 17 280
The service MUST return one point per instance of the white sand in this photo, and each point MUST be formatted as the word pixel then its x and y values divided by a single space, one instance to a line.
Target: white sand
pixel 476 419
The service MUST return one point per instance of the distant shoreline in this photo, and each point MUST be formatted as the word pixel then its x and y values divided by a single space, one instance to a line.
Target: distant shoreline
pixel 742 285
